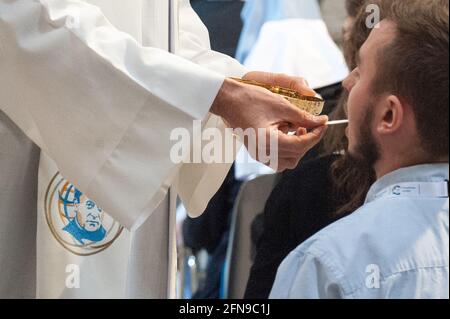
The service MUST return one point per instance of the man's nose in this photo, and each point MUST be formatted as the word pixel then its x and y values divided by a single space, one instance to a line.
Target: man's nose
pixel 348 83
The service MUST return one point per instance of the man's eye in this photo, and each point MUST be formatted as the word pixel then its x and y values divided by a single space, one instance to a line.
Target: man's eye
pixel 90 204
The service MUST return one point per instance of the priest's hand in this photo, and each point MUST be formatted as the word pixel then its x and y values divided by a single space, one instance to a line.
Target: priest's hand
pixel 245 106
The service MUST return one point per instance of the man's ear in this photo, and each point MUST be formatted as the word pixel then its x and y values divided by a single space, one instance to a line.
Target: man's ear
pixel 392 115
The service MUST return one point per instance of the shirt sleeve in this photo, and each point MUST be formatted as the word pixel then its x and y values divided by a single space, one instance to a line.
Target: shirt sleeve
pixel 99 104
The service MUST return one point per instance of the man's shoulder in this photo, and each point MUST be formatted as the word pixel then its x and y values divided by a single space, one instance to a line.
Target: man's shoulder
pixel 373 224
pixel 396 235
pixel 348 228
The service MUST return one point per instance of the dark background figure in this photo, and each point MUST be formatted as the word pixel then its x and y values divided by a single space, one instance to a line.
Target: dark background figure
pixel 223 20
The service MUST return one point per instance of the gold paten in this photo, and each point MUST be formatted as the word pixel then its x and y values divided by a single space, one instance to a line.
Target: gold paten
pixel 310 104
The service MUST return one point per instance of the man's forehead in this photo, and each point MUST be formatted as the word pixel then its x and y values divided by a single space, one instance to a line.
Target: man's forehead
pixel 382 35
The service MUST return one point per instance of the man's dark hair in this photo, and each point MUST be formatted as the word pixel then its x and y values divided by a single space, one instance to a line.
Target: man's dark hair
pixel 354 7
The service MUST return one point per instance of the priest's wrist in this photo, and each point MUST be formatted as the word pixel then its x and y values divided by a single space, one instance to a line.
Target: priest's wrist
pixel 228 100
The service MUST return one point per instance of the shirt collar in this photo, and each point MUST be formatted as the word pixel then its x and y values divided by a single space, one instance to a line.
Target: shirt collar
pixel 419 173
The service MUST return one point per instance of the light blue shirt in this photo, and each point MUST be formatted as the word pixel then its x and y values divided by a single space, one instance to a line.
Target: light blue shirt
pixel 395 246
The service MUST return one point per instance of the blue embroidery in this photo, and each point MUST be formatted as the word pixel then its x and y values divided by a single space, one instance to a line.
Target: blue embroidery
pixel 87 222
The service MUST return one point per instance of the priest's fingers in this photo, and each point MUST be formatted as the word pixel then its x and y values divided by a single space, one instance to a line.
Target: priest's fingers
pixel 302 119
pixel 301 144
pixel 291 82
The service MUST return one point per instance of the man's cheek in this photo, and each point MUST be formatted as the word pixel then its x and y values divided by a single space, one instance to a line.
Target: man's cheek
pixel 355 104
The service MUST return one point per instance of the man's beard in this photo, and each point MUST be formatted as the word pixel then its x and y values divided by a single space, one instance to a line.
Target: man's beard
pixel 366 152
pixel 354 173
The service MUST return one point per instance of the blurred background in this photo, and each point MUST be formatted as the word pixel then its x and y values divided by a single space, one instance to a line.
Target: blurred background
pixel 223 19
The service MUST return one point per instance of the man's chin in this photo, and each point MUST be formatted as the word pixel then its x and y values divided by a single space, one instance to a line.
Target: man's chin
pixel 356 158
